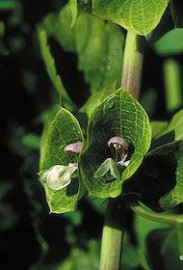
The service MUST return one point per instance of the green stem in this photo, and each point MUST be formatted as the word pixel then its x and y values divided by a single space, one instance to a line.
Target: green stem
pixel 173 84
pixel 132 63
pixel 112 236
pixel 158 217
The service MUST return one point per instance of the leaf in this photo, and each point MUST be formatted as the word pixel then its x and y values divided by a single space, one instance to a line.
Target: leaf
pixel 99 45
pixel 165 246
pixel 81 259
pixel 177 11
pixel 158 127
pixel 60 26
pixel 118 115
pixel 143 227
pixel 176 125
pixel 175 196
pixel 171 43
pixel 140 17
pixel 85 5
pixel 164 128
pixel 95 99
pixel 155 177
pixel 63 130
pixel 8 4
pixel 31 140
pixel 50 66
pixel 74 11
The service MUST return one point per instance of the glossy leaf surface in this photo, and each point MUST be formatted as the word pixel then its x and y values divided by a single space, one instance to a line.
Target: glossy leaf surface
pixel 118 115
pixel 63 130
pixel 137 16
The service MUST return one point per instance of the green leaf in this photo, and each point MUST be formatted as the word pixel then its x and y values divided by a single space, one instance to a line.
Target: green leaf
pixel 140 17
pixel 130 258
pixel 63 130
pixel 60 27
pixel 50 66
pixel 171 43
pixel 177 12
pixel 99 46
pixel 176 125
pixel 158 127
pixel 118 115
pixel 162 128
pixel 81 259
pixel 155 177
pixel 85 5
pixel 175 196
pixel 165 246
pixel 31 140
pixel 143 227
pixel 8 4
pixel 95 99
pixel 74 11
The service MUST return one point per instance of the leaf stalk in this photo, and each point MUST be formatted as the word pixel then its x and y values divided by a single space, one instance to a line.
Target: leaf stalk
pixel 172 219
pixel 133 63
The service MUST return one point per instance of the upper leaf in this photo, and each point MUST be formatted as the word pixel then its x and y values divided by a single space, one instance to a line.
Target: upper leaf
pixel 74 11
pixel 50 66
pixel 59 26
pixel 118 115
pixel 63 130
pixel 140 17
pixel 99 45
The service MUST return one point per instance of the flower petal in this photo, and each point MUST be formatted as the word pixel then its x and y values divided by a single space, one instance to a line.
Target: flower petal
pixel 58 176
pixel 73 148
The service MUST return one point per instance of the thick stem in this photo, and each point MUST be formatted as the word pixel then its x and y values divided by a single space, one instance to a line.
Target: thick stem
pixel 112 236
pixel 133 63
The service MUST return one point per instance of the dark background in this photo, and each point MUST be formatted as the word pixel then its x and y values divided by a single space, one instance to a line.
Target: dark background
pixel 26 93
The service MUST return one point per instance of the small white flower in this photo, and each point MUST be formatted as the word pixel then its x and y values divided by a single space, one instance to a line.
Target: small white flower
pixel 58 176
pixel 110 165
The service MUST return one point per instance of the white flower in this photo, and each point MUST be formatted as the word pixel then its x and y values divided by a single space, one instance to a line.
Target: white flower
pixel 110 165
pixel 58 176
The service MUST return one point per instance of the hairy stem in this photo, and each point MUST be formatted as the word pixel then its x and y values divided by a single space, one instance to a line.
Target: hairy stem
pixel 112 236
pixel 133 63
